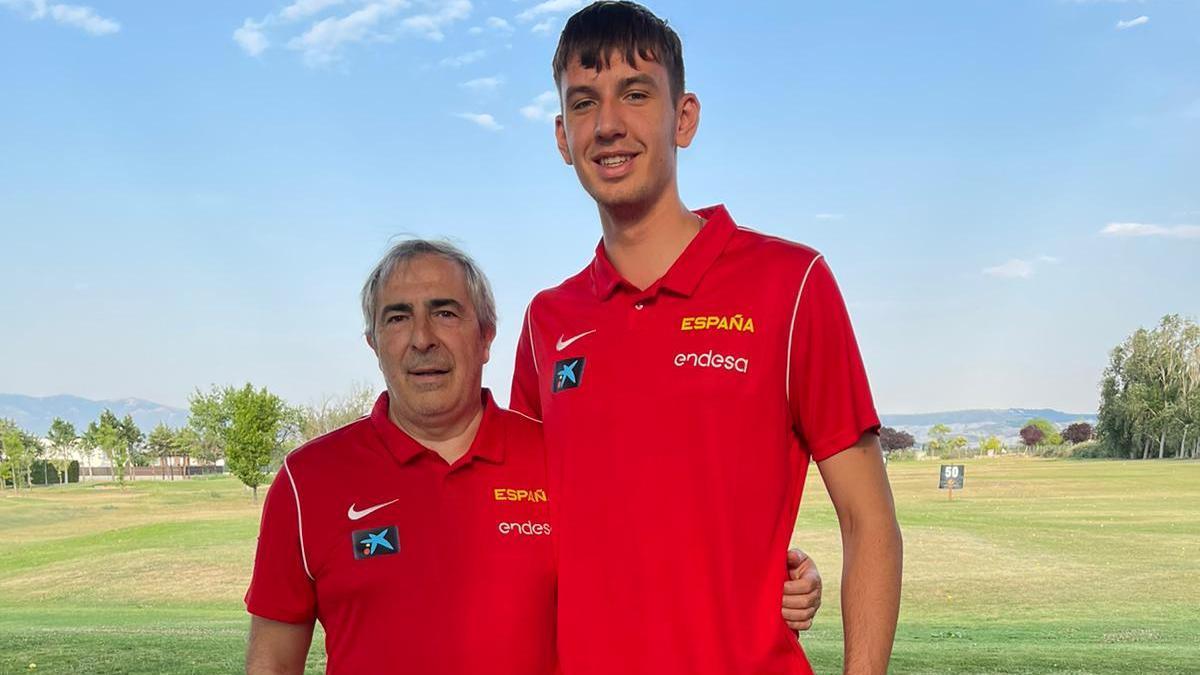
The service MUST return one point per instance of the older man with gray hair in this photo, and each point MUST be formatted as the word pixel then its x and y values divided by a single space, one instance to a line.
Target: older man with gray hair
pixel 420 535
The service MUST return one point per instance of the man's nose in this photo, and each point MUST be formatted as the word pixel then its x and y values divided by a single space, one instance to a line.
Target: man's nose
pixel 422 338
pixel 610 125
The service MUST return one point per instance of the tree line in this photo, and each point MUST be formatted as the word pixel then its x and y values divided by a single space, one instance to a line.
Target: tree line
pixel 250 428
pixel 1038 436
pixel 1150 393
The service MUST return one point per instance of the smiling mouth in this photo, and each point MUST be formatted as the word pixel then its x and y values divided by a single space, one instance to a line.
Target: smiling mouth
pixel 614 160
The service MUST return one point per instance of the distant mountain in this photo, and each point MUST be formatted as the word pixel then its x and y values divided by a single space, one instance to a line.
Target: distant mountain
pixel 979 424
pixel 34 414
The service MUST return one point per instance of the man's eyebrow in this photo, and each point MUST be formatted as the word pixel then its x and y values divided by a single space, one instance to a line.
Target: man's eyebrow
pixel 642 80
pixel 397 307
pixel 438 303
pixel 579 89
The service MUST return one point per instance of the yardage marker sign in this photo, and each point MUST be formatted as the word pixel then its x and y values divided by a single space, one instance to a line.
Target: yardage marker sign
pixel 951 478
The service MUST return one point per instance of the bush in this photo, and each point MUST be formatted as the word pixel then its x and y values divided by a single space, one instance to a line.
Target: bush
pixel 1095 450
pixel 43 472
pixel 1053 451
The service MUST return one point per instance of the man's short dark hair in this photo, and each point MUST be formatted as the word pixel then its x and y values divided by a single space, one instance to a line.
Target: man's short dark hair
pixel 597 31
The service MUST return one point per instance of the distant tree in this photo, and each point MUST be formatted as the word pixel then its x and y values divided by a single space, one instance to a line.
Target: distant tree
pixel 208 418
pixel 938 441
pixel 254 427
pixel 62 439
pixel 134 440
pixel 112 440
pixel 1077 432
pixel 992 445
pixel 160 444
pixel 1050 434
pixel 892 440
pixel 89 443
pixel 338 411
pixel 1032 435
pixel 18 454
pixel 958 445
pixel 186 444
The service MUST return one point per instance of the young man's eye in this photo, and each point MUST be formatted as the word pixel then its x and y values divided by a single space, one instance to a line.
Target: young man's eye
pixel 637 95
pixel 582 105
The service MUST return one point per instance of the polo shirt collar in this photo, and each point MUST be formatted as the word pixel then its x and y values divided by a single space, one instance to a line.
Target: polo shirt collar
pixel 685 274
pixel 488 443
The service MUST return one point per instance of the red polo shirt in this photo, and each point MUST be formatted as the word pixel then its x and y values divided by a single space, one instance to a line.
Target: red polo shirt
pixel 680 421
pixel 410 564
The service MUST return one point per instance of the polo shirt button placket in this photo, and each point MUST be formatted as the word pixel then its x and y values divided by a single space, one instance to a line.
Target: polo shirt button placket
pixel 641 306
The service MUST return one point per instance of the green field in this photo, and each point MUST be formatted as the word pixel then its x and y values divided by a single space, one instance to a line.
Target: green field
pixel 1038 566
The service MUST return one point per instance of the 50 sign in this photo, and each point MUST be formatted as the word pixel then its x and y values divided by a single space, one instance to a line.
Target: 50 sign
pixel 951 477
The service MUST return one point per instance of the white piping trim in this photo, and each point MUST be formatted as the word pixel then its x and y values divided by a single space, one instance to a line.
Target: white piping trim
pixel 787 376
pixel 299 520
pixel 529 328
pixel 531 419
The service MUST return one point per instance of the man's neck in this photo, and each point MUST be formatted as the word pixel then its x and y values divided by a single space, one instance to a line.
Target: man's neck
pixel 643 242
pixel 450 439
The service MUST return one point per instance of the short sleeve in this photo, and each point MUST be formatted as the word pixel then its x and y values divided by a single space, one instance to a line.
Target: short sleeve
pixel 280 588
pixel 828 392
pixel 525 397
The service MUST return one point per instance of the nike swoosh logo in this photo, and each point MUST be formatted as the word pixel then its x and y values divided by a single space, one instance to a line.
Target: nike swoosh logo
pixel 356 515
pixel 563 344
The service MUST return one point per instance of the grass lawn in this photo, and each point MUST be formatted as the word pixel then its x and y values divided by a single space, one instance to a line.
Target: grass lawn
pixel 1038 566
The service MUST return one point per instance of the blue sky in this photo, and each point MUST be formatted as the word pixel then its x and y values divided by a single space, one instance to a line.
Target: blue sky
pixel 192 194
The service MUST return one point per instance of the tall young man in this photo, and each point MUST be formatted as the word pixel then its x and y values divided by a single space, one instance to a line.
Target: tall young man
pixel 685 379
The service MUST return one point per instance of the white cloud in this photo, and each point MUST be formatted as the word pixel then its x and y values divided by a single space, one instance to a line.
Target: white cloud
pixel 496 23
pixel 483 84
pixel 462 59
pixel 543 26
pixel 78 16
pixel 1013 269
pixel 549 7
pixel 1140 21
pixel 301 9
pixel 829 216
pixel 85 18
pixel 543 108
pixel 324 34
pixel 430 25
pixel 251 38
pixel 1150 230
pixel 482 119
pixel 1048 259
pixel 321 42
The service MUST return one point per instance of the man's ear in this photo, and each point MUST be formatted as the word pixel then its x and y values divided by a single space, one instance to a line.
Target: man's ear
pixel 687 119
pixel 560 137
pixel 370 338
pixel 487 344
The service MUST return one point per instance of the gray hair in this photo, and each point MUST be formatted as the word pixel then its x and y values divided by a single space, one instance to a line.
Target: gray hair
pixel 477 284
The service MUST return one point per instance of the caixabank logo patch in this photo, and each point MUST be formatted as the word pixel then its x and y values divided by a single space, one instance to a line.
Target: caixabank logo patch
pixel 376 542
pixel 568 374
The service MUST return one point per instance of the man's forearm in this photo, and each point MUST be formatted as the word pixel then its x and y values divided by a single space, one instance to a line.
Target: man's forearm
pixel 872 563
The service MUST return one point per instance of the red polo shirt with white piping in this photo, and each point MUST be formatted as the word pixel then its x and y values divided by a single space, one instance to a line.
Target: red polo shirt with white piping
pixel 680 422
pixel 411 564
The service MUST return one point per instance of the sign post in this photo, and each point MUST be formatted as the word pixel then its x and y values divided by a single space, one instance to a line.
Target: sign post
pixel 951 478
